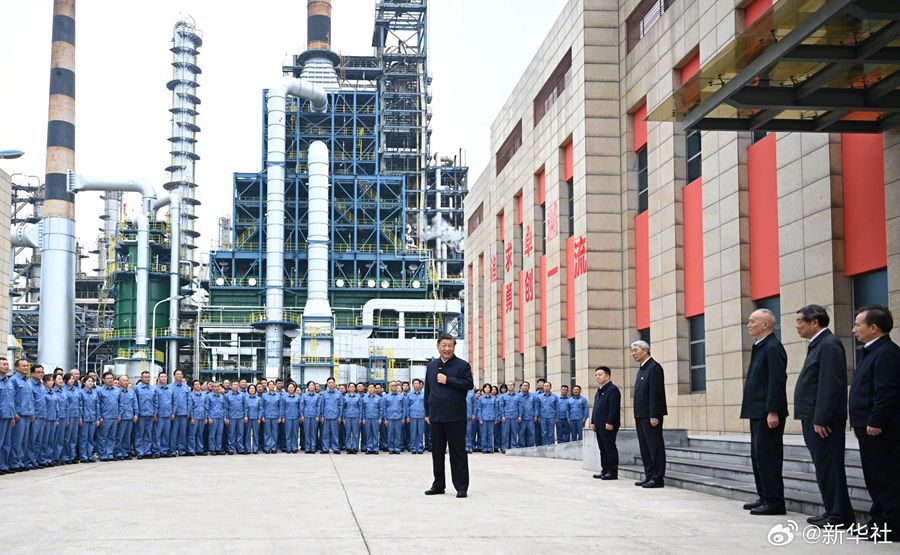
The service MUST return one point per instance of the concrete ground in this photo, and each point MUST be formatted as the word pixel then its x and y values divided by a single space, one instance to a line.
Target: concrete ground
pixel 366 504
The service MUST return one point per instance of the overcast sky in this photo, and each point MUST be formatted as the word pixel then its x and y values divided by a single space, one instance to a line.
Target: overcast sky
pixel 479 49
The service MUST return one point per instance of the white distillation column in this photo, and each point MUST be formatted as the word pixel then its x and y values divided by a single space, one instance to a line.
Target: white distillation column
pixel 186 40
pixel 317 316
pixel 275 157
pixel 112 205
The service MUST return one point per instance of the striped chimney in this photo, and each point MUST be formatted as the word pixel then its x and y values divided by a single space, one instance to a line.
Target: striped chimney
pixel 318 24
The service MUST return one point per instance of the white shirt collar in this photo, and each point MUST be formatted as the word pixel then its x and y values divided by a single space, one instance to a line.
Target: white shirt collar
pixel 645 362
pixel 813 338
pixel 869 344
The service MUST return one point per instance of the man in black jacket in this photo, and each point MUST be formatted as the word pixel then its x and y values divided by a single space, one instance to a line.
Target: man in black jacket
pixel 765 405
pixel 447 381
pixel 875 417
pixel 605 423
pixel 820 403
pixel 649 409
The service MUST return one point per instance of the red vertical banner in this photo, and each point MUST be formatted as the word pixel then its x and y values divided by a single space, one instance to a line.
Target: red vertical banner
pixel 570 161
pixel 542 291
pixel 694 302
pixel 494 269
pixel 642 269
pixel 503 306
pixel 762 198
pixel 570 288
pixel 640 127
pixel 471 355
pixel 521 312
pixel 865 233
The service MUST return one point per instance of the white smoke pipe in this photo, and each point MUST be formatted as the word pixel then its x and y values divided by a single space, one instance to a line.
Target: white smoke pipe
pixel 432 306
pixel 317 298
pixel 275 121
pixel 173 201
pixel 25 235
pixel 142 279
pixel 79 183
pixel 438 244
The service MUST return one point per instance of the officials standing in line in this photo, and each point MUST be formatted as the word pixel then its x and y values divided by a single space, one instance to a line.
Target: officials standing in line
pixel 605 422
pixel 649 410
pixel 820 404
pixel 765 405
pixel 875 418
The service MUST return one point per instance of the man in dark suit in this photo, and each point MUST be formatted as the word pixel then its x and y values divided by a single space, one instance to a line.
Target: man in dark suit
pixel 649 409
pixel 765 405
pixel 447 381
pixel 605 422
pixel 875 418
pixel 820 403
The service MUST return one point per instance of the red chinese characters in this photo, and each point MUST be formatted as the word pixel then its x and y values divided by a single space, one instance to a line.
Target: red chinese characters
pixel 580 256
pixel 553 221
pixel 493 269
pixel 507 297
pixel 529 240
pixel 529 286
pixel 509 257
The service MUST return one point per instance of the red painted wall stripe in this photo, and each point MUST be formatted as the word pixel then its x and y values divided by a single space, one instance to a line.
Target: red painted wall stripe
pixel 865 233
pixel 570 158
pixel 522 312
pixel 520 209
pixel 640 127
pixel 542 187
pixel 690 68
pixel 543 293
pixel 570 288
pixel 765 275
pixel 471 353
pixel 642 269
pixel 754 10
pixel 694 302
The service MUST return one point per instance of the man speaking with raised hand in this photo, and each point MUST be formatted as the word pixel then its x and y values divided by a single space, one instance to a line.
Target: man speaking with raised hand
pixel 447 381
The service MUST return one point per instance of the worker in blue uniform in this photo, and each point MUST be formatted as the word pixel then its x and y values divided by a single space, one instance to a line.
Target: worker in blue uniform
pixel 36 387
pixel 164 418
pixel 538 432
pixel 382 428
pixel 471 421
pixel 235 418
pixel 216 412
pixel 108 424
pixel 394 415
pixel 128 413
pixel 146 402
pixel 180 391
pixel 272 414
pixel 252 436
pixel 309 416
pixel 486 414
pixel 547 403
pixel 332 403
pixel 373 413
pixel 88 419
pixel 510 410
pixel 7 415
pixel 62 409
pixel 73 392
pixel 197 423
pixel 292 402
pixel 48 415
pixel 562 414
pixel 404 435
pixel 527 430
pixel 415 417
pixel 352 417
pixel 282 439
pixel 577 414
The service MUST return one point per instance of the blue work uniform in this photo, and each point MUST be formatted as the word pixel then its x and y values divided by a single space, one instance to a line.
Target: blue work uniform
pixel 35 455
pixel 404 426
pixel 382 428
pixel 471 422
pixel 352 412
pixel 547 405
pixel 21 433
pixel 89 414
pixel 73 396
pixel 163 428
pixel 282 438
pixel 251 436
pixel 197 408
pixel 309 411
pixel 511 409
pixel 127 410
pixel 394 414
pixel 415 411
pixel 7 414
pixel 372 414
pixel 109 413
pixel 292 412
pixel 528 412
pixel 577 416
pixel 178 439
pixel 562 419
pixel 236 405
pixel 272 412
pixel 486 411
pixel 332 404
pixel 216 411
pixel 62 418
pixel 48 439
pixel 143 434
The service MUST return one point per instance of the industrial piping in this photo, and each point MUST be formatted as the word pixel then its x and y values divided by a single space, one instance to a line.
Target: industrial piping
pixel 275 156
pixel 174 203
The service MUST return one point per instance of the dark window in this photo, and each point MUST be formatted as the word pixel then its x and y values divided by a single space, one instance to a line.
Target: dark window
pixel 773 304
pixel 509 147
pixel 570 197
pixel 759 135
pixel 539 217
pixel 544 355
pixel 571 364
pixel 698 353
pixel 475 218
pixel 869 288
pixel 694 157
pixel 643 181
pixel 645 335
pixel 643 18
pixel 554 86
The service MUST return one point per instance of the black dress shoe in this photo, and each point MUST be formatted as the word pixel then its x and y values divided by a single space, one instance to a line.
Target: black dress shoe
pixel 817 519
pixel 753 505
pixel 768 510
pixel 641 482
pixel 461 495
pixel 434 491
pixel 599 476
pixel 653 484
pixel 609 477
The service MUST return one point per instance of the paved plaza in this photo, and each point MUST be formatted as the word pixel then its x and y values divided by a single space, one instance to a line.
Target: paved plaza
pixel 359 504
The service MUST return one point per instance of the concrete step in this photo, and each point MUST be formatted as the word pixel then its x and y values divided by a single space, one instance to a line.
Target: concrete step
pixel 742 492
pixel 797 481
pixel 793 446
pixel 730 456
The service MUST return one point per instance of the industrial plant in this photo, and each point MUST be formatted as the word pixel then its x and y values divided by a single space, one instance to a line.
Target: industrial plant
pixel 343 254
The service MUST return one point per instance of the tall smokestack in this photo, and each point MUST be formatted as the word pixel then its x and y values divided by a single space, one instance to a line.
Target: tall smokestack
pixel 56 341
pixel 318 24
